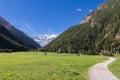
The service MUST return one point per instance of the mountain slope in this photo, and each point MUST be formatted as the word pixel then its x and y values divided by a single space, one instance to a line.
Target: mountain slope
pixel 43 40
pixel 23 38
pixel 9 41
pixel 99 32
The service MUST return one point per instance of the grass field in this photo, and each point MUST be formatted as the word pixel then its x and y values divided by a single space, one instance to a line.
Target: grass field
pixel 37 66
pixel 115 66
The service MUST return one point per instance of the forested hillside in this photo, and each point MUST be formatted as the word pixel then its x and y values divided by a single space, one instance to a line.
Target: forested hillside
pixel 8 42
pixel 99 32
pixel 12 39
pixel 23 38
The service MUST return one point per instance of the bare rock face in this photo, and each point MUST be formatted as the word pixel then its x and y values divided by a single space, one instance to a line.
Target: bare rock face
pixel 92 24
pixel 86 19
pixel 100 7
pixel 117 37
pixel 89 17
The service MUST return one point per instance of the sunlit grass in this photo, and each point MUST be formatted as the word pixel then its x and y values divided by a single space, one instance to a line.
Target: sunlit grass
pixel 115 66
pixel 37 66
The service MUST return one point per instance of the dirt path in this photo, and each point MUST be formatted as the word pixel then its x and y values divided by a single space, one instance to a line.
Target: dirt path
pixel 101 72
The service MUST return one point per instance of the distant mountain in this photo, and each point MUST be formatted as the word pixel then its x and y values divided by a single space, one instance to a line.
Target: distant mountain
pixel 9 42
pixel 44 39
pixel 21 35
pixel 99 32
pixel 12 38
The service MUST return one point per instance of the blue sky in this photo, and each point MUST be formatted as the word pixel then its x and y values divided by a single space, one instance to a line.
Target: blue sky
pixel 46 16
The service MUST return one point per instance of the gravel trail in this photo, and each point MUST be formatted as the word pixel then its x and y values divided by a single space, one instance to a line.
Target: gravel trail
pixel 100 71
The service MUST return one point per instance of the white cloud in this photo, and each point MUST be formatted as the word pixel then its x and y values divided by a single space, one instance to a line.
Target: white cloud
pixel 27 26
pixel 79 10
pixel 90 10
pixel 28 29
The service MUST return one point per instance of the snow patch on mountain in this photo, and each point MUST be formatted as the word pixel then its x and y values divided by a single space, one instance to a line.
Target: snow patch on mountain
pixel 44 39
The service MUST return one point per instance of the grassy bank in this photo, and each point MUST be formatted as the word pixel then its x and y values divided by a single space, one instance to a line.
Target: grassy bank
pixel 37 66
pixel 115 66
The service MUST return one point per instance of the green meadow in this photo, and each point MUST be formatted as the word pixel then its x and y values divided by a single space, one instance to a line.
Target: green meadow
pixel 37 66
pixel 115 66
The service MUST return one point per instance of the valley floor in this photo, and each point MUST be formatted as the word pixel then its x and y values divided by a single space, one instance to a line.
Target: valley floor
pixel 37 66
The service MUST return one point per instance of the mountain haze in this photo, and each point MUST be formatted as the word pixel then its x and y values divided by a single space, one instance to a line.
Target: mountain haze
pixel 21 35
pixel 9 41
pixel 12 38
pixel 99 32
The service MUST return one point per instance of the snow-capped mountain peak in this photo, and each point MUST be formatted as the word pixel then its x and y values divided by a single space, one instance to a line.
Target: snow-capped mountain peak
pixel 44 39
